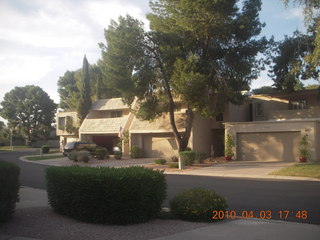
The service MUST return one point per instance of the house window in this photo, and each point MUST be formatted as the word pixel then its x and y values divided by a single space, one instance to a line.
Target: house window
pixel 259 109
pixel 61 123
pixel 116 114
pixel 298 104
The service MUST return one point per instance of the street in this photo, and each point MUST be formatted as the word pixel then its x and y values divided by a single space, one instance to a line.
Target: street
pixel 296 201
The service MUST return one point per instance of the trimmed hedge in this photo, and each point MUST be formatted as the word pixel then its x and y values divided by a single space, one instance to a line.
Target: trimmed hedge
pixel 9 188
pixel 160 161
pixel 45 148
pixel 117 154
pixel 81 156
pixel 200 156
pixel 136 152
pixel 197 205
pixel 101 153
pixel 106 195
pixel 187 157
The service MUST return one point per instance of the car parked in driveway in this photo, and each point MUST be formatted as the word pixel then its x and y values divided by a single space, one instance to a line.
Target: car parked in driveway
pixel 79 146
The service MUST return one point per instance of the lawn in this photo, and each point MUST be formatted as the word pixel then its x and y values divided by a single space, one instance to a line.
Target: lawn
pixel 44 157
pixel 7 148
pixel 300 170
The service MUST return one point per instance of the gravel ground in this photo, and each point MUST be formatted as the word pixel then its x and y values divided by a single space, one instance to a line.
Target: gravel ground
pixel 43 223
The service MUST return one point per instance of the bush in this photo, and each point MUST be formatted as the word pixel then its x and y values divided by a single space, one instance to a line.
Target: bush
pixel 45 148
pixel 117 154
pixel 197 205
pixel 173 165
pixel 136 152
pixel 187 157
pixel 174 159
pixel 73 156
pixel 160 161
pixel 101 153
pixel 200 156
pixel 9 188
pixel 83 156
pixel 106 195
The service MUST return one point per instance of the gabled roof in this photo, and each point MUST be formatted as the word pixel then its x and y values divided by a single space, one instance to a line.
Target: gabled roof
pixel 102 125
pixel 109 104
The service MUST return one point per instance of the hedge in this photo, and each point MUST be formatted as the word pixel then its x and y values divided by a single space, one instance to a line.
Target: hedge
pixel 45 148
pixel 136 152
pixel 106 195
pixel 101 153
pixel 80 156
pixel 9 188
pixel 197 204
pixel 187 157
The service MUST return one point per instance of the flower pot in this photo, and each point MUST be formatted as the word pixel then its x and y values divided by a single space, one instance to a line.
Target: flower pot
pixel 228 158
pixel 302 159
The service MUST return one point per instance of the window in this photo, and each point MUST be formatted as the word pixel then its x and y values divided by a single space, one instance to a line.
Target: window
pixel 116 114
pixel 298 104
pixel 259 109
pixel 61 123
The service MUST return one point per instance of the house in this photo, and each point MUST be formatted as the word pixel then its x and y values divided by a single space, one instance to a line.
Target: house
pixel 67 123
pixel 275 126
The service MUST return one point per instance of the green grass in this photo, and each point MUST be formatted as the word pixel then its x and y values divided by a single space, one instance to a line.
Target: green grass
pixel 7 148
pixel 300 170
pixel 45 157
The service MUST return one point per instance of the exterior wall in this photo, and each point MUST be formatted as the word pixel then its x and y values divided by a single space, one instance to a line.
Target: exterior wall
pixel 317 141
pixel 269 104
pixel 304 127
pixel 295 114
pixel 238 113
pixel 74 117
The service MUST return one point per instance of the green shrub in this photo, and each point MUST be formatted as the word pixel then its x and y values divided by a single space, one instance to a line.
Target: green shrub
pixel 187 157
pixel 160 161
pixel 45 148
pixel 9 188
pixel 106 195
pixel 173 165
pixel 200 156
pixel 174 159
pixel 136 152
pixel 83 156
pixel 197 204
pixel 73 156
pixel 117 154
pixel 101 153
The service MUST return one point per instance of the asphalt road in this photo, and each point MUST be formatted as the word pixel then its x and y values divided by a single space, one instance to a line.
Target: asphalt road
pixel 297 201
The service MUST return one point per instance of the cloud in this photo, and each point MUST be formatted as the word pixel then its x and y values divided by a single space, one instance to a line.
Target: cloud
pixel 292 13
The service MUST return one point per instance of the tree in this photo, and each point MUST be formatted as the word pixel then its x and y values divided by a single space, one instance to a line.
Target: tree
pixel 264 90
pixel 289 61
pixel 85 92
pixel 201 52
pixel 68 91
pixel 31 109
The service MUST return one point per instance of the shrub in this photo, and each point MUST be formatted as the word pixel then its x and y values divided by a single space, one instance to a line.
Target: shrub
pixel 106 195
pixel 101 153
pixel 45 148
pixel 9 188
pixel 173 165
pixel 73 156
pixel 200 156
pixel 117 154
pixel 187 157
pixel 174 159
pixel 136 152
pixel 197 204
pixel 83 156
pixel 160 161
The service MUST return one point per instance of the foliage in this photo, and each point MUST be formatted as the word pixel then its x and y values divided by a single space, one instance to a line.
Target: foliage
pixel 85 92
pixel 264 90
pixel 200 53
pixel 106 195
pixel 174 159
pixel 73 156
pixel 125 137
pixel 136 152
pixel 197 204
pixel 45 148
pixel 79 156
pixel 173 165
pixel 228 145
pixel 304 149
pixel 9 188
pixel 101 153
pixel 160 161
pixel 313 86
pixel 187 157
pixel 200 156
pixel 31 109
pixel 117 154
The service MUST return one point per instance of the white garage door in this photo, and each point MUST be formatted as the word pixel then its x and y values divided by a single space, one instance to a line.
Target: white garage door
pixel 268 146
pixel 159 145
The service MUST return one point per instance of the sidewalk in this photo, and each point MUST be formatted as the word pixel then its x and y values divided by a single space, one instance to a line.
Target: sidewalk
pixel 35 220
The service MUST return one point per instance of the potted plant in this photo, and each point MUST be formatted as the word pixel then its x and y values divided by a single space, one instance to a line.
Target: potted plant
pixel 228 147
pixel 304 149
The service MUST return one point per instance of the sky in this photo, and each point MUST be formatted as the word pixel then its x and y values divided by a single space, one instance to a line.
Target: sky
pixel 40 40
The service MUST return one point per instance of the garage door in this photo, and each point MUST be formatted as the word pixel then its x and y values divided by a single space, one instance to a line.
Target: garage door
pixel 275 146
pixel 159 145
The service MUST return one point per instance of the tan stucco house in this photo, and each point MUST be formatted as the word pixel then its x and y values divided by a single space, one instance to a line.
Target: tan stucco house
pixel 277 123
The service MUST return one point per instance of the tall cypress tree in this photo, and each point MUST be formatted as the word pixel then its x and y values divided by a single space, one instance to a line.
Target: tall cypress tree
pixel 85 92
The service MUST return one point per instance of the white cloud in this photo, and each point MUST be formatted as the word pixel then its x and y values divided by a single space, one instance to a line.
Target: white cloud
pixel 292 13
